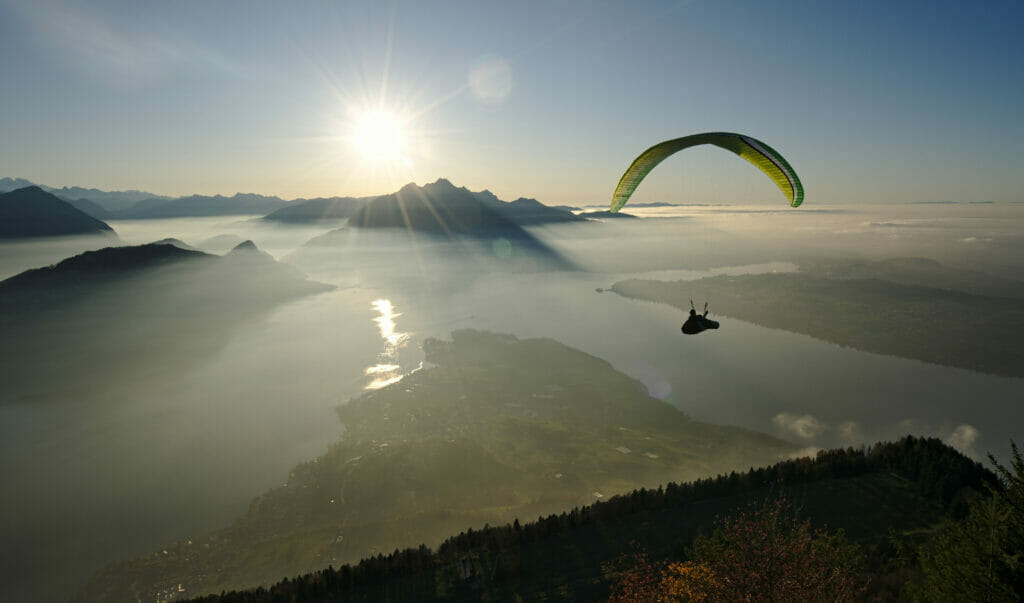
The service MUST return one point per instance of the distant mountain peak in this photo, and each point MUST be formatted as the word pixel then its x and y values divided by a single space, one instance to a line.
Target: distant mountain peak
pixel 32 212
pixel 10 184
pixel 443 186
pixel 175 242
pixel 443 207
pixel 244 247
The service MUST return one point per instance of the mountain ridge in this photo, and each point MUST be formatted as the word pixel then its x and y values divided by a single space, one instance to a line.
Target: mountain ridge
pixel 133 204
pixel 31 212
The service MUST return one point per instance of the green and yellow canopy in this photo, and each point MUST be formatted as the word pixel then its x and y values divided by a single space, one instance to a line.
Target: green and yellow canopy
pixel 756 152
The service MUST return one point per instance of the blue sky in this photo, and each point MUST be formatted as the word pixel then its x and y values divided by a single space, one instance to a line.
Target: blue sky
pixel 870 101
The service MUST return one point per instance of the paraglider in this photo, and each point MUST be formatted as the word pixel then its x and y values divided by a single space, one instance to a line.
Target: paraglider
pixel 767 159
pixel 698 323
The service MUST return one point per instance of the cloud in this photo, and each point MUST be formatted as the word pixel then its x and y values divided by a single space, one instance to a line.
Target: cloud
pixel 490 79
pixel 963 438
pixel 850 432
pixel 805 452
pixel 802 426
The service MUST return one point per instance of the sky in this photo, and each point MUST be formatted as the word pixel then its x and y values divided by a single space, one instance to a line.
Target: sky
pixel 871 102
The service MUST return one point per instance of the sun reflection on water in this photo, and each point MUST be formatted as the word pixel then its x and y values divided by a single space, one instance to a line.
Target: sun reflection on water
pixel 387 370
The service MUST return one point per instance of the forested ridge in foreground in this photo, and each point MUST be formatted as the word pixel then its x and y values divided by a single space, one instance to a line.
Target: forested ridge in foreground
pixel 887 498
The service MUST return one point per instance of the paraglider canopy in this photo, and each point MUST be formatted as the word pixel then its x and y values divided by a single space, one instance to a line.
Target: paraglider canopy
pixel 767 159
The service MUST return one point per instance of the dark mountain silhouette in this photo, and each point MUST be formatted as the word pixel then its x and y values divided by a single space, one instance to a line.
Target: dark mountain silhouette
pixel 177 243
pixel 447 212
pixel 246 268
pixel 316 210
pixel 444 208
pixel 526 212
pixel 93 268
pixel 438 207
pixel 140 205
pixel 653 204
pixel 605 214
pixel 105 205
pixel 33 212
pixel 202 205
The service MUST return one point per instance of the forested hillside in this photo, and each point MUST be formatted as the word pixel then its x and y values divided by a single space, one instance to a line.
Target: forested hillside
pixel 903 489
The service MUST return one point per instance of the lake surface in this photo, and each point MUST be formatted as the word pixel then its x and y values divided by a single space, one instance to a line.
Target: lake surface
pixel 142 463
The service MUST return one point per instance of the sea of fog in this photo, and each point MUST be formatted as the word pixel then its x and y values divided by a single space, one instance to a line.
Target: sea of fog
pixel 140 463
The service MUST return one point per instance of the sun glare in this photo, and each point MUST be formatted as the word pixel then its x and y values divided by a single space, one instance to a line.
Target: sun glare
pixel 379 137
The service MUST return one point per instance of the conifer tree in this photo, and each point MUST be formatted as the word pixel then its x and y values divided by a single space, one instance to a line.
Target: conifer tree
pixel 982 557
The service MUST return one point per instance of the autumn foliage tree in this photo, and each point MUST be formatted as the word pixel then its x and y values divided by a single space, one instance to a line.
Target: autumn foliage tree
pixel 766 553
pixel 762 553
pixel 689 581
pixel 640 583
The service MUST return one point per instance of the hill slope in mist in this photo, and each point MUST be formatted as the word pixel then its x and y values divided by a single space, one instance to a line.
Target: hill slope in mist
pixel 840 304
pixel 493 428
pixel 126 312
pixel 317 210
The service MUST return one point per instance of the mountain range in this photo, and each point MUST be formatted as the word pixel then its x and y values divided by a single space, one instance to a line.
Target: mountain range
pixel 201 206
pixel 111 201
pixel 126 205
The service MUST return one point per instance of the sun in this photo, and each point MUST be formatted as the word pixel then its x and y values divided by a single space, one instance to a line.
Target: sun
pixel 377 143
pixel 379 136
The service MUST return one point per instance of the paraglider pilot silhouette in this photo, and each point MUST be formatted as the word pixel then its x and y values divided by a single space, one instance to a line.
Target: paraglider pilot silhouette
pixel 697 323
pixel 762 156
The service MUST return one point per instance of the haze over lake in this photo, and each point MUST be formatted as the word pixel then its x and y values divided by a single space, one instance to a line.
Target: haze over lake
pixel 139 461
